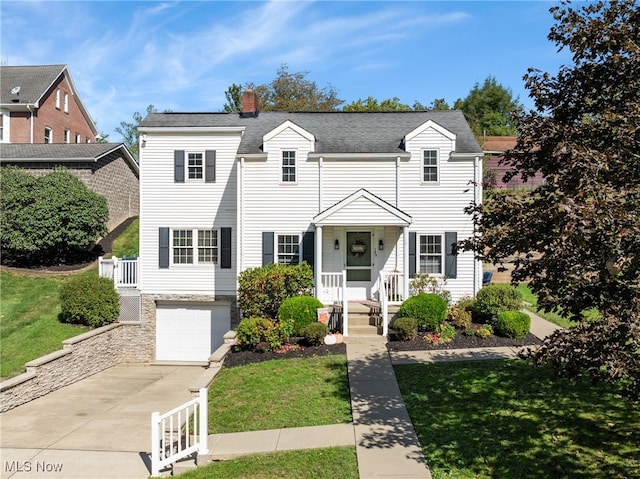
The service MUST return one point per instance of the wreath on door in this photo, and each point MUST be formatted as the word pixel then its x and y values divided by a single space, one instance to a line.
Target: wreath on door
pixel 358 249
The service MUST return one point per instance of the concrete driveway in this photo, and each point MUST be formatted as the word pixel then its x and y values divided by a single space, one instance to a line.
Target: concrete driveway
pixel 96 428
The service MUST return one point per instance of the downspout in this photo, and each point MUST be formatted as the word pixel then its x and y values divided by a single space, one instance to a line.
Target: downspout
pixel 240 219
pixel 320 164
pixel 398 182
pixel 31 121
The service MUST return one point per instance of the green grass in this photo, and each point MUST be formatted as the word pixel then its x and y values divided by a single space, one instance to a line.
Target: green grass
pixel 507 419
pixel 127 244
pixel 29 326
pixel 331 463
pixel 280 393
pixel 532 300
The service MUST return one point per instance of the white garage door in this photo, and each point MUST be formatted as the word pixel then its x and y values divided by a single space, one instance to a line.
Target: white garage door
pixel 190 332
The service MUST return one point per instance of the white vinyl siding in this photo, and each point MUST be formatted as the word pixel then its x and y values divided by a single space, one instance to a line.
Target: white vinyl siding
pixel 196 205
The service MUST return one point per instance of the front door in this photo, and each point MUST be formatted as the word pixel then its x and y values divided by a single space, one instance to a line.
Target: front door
pixel 358 253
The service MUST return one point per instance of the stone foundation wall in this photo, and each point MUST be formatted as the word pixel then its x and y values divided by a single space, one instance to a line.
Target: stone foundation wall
pixel 82 356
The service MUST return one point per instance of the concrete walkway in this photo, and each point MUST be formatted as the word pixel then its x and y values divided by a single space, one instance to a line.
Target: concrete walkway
pixel 99 428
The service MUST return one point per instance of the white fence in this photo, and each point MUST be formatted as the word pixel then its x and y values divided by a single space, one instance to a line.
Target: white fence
pixel 123 272
pixel 171 437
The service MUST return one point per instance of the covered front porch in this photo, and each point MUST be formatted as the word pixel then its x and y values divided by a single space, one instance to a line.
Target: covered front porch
pixel 362 255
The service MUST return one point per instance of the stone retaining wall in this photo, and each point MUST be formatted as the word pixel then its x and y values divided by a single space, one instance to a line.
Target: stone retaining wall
pixel 81 357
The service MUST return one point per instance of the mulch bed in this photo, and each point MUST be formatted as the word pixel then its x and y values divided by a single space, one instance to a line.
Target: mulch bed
pixel 242 358
pixel 461 341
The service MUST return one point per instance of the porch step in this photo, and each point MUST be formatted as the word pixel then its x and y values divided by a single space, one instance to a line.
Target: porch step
pixel 366 330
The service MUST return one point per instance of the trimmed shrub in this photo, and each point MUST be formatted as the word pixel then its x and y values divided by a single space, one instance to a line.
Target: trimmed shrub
pixel 493 299
pixel 459 316
pixel 513 324
pixel 253 331
pixel 429 309
pixel 406 328
pixel 262 290
pixel 300 311
pixel 314 333
pixel 89 300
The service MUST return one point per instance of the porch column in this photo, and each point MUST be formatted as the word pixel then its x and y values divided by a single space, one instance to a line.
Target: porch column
pixel 405 261
pixel 318 262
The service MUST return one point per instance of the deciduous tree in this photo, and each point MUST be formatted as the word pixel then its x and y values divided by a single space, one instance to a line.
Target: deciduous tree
pixel 577 237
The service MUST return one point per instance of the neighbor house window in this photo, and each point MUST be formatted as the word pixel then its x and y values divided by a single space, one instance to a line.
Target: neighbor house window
pixel 48 135
pixel 182 246
pixel 430 166
pixel 288 166
pixel 288 249
pixel 67 136
pixel 78 140
pixel 431 254
pixel 66 103
pixel 194 166
pixel 207 246
pixel 58 98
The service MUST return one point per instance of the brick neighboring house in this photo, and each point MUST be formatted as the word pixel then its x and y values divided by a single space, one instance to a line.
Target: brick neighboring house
pixel 40 104
pixel 108 169
pixel 494 148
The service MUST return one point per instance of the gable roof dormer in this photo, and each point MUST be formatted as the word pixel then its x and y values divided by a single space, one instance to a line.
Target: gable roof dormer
pixel 289 125
pixel 430 124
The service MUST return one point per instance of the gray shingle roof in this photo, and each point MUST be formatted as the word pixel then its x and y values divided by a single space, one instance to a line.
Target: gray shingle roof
pixel 335 132
pixel 16 152
pixel 32 80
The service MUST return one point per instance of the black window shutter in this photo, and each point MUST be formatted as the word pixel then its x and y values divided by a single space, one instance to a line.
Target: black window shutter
pixel 178 166
pixel 225 248
pixel 267 247
pixel 163 251
pixel 210 166
pixel 412 254
pixel 451 255
pixel 308 248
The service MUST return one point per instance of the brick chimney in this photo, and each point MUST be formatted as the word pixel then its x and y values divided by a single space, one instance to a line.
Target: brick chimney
pixel 249 104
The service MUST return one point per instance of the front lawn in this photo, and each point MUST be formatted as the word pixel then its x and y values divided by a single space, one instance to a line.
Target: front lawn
pixel 507 419
pixel 29 326
pixel 281 393
pixel 327 463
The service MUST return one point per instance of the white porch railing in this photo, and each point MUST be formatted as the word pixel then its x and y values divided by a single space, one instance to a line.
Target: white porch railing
pixel 391 289
pixel 171 439
pixel 123 272
pixel 333 290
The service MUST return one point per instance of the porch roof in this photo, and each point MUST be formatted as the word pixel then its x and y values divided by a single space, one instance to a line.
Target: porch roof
pixel 362 208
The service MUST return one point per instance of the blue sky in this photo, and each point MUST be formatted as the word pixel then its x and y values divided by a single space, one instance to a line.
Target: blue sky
pixel 182 56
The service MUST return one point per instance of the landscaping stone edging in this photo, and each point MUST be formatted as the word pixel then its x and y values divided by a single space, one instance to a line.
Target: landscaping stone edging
pixel 80 357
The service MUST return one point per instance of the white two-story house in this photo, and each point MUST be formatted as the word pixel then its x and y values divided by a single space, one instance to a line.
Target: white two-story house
pixel 368 199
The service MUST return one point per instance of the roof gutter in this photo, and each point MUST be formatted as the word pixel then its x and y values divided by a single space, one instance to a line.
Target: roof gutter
pixel 465 156
pixel 358 156
pixel 191 129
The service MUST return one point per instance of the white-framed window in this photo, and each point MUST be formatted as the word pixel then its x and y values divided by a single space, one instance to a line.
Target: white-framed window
pixel 430 254
pixel 208 246
pixel 67 136
pixel 58 98
pixel 195 166
pixel 48 135
pixel 430 166
pixel 288 166
pixel 194 246
pixel 78 139
pixel 66 103
pixel 182 245
pixel 288 248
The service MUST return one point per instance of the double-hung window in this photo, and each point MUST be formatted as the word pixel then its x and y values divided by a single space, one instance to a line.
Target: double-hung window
pixel 195 166
pixel 288 249
pixel 58 98
pixel 195 246
pixel 430 166
pixel 208 246
pixel 66 103
pixel 288 166
pixel 431 254
pixel 48 135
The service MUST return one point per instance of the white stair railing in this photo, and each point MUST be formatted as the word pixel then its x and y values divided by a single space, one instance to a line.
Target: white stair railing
pixel 171 437
pixel 123 272
pixel 384 304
